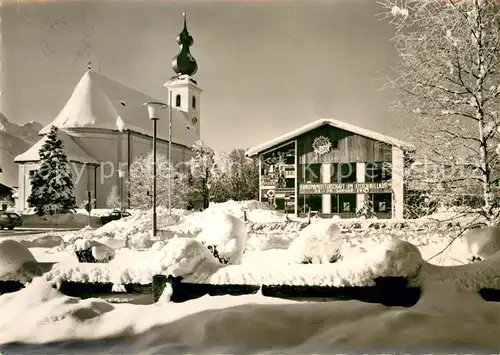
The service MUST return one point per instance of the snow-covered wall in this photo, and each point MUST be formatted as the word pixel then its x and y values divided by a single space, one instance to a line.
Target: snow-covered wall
pixel 24 189
pixel 111 149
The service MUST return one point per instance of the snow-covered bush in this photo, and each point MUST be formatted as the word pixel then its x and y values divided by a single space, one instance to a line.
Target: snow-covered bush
pixel 394 258
pixel 91 251
pixel 225 236
pixel 320 242
pixel 187 257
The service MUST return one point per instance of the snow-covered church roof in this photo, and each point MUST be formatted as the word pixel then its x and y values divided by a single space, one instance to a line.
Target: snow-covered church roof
pixel 72 150
pixel 334 123
pixel 102 103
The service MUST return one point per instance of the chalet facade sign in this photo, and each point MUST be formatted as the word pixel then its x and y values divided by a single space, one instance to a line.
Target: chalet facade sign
pixel 344 188
pixel 285 192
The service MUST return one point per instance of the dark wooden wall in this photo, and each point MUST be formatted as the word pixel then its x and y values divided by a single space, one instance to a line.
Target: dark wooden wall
pixel 351 148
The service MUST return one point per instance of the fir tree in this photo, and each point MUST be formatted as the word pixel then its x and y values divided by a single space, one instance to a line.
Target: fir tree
pixel 367 209
pixel 52 189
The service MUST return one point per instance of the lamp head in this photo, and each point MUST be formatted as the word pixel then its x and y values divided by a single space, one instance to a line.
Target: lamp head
pixel 154 109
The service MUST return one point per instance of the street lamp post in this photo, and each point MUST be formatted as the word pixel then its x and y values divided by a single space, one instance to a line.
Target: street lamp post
pixel 170 152
pixel 120 176
pixel 154 114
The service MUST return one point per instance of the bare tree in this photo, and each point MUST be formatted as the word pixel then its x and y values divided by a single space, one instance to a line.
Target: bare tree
pixel 200 172
pixel 113 199
pixel 141 183
pixel 448 82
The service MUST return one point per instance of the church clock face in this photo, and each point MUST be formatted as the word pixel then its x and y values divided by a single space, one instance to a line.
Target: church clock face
pixel 194 120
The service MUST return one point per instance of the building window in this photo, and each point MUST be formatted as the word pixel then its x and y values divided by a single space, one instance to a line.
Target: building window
pixel 344 172
pixel 347 203
pixel 312 173
pixel 1 171
pixel 315 203
pixel 382 203
pixel 178 101
pixel 335 145
pixel 280 204
pixel 32 173
pixel 377 172
pixel 290 183
pixel 193 102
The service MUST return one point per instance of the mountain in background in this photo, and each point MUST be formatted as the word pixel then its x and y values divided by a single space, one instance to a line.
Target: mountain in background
pixel 14 140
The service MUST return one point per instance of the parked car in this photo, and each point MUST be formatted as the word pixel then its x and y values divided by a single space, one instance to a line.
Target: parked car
pixel 10 220
pixel 113 216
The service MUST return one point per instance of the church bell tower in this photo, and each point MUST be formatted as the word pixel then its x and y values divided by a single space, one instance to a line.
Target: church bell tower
pixel 184 92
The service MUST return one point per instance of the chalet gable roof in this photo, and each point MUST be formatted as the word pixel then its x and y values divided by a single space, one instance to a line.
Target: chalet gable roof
pixel 334 123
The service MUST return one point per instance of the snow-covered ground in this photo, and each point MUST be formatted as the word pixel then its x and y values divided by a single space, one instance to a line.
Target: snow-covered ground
pixel 273 251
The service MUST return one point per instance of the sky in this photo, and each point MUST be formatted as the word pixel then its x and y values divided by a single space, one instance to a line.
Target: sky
pixel 265 67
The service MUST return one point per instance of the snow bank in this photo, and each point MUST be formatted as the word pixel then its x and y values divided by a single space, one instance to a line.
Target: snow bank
pixel 49 240
pixel 13 257
pixel 138 268
pixel 226 236
pixel 188 258
pixel 483 242
pixel 40 314
pixel 320 242
pixel 96 212
pixel 392 258
pixel 135 231
pixel 66 220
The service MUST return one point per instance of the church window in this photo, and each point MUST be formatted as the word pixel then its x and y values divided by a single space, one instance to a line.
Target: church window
pixel 178 101
pixel 194 102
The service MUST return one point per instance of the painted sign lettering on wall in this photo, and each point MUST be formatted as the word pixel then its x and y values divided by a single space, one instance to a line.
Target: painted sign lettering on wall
pixel 340 188
pixel 267 182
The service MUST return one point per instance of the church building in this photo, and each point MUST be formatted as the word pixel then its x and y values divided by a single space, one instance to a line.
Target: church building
pixel 331 167
pixel 105 126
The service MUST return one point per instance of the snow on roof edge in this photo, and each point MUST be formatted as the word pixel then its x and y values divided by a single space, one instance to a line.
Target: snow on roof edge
pixel 334 123
pixel 76 154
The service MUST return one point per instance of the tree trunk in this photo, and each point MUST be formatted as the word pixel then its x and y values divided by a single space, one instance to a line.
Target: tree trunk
pixel 480 115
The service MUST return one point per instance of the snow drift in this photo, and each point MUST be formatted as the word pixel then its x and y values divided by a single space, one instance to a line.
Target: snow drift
pixel 447 317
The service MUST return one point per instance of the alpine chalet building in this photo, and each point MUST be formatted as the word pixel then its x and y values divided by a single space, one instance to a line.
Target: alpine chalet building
pixel 331 168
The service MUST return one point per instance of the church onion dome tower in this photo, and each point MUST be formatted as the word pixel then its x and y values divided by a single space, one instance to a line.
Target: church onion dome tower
pixel 184 63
